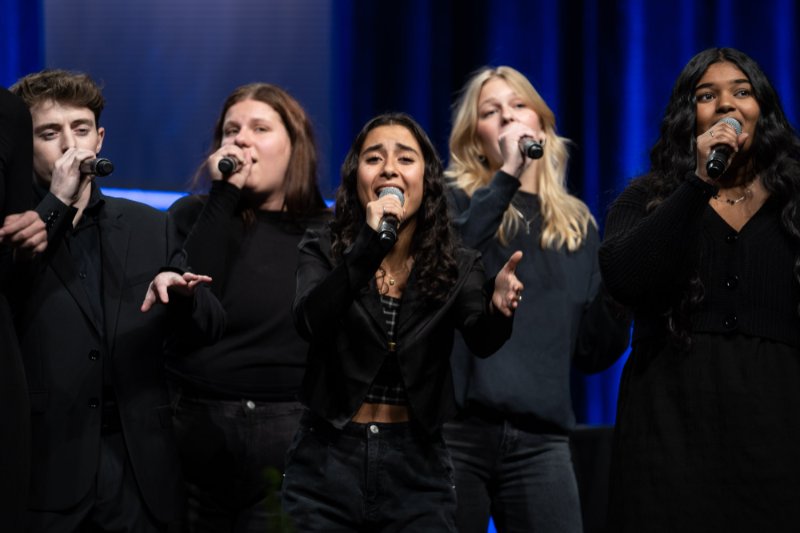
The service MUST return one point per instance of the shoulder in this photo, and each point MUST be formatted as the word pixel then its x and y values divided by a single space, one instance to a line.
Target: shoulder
pixel 186 209
pixel 467 259
pixel 132 208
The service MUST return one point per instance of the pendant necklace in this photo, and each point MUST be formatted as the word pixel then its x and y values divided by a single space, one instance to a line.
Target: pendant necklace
pixel 525 221
pixel 733 201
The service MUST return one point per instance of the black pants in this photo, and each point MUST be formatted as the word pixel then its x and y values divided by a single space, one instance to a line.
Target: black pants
pixel 232 454
pixel 113 504
pixel 368 477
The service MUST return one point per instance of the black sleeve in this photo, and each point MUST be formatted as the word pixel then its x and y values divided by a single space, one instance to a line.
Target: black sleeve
pixel 208 233
pixel 484 331
pixel 324 290
pixel 605 325
pixel 645 256
pixel 481 216
pixel 16 169
pixel 198 319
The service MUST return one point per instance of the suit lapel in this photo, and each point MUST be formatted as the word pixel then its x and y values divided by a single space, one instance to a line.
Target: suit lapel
pixel 64 267
pixel 115 238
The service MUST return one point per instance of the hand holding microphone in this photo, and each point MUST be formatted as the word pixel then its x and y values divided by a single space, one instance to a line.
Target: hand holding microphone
pixel 228 165
pixel 531 148
pixel 387 228
pixel 720 155
pixel 97 166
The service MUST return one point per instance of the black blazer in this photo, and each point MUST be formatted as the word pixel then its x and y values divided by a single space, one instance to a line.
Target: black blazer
pixel 338 310
pixel 64 353
pixel 16 160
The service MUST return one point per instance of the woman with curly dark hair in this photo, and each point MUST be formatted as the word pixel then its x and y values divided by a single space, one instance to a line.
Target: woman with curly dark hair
pixel 707 432
pixel 380 317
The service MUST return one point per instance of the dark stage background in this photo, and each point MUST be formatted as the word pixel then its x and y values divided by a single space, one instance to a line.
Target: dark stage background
pixel 606 68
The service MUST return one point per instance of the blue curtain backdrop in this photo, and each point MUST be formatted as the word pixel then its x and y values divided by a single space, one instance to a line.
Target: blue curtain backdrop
pixel 606 69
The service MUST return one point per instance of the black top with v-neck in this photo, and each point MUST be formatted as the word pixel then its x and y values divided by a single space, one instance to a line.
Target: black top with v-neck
pixel 748 278
pixel 706 438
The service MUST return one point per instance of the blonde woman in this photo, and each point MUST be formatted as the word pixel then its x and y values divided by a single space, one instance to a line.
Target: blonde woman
pixel 510 445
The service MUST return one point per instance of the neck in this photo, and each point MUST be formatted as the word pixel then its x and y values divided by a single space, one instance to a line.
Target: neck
pixel 398 256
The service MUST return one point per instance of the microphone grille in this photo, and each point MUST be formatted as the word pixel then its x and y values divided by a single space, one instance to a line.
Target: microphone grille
pixel 394 191
pixel 733 123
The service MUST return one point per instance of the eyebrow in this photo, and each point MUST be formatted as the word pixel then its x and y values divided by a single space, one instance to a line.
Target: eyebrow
pixel 379 146
pixel 732 82
pixel 57 125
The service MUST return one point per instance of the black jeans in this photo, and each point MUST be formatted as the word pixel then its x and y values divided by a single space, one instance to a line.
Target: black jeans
pixel 524 480
pixel 368 477
pixel 232 454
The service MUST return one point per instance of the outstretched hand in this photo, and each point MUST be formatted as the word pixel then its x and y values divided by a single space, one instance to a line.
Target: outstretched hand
pixel 184 284
pixel 507 287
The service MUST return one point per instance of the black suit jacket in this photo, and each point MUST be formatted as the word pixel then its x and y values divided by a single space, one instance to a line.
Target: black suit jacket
pixel 338 310
pixel 16 159
pixel 64 351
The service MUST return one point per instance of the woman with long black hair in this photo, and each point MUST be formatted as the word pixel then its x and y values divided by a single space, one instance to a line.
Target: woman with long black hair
pixel 707 428
pixel 369 455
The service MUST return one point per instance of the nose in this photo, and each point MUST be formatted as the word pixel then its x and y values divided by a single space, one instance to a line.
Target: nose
pixel 725 103
pixel 68 140
pixel 507 114
pixel 242 137
pixel 388 169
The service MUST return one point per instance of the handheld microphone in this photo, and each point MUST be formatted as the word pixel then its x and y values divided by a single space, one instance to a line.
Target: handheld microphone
pixel 228 165
pixel 387 229
pixel 531 148
pixel 98 166
pixel 720 154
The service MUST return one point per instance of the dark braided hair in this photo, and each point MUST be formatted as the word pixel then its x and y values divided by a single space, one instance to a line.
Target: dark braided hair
pixel 433 244
pixel 774 154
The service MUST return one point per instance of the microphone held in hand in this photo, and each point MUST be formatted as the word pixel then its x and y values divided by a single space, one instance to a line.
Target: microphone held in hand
pixel 387 229
pixel 531 148
pixel 98 166
pixel 720 154
pixel 228 165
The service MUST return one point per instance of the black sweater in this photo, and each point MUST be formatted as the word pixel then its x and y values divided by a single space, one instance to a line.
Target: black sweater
pixel 747 277
pixel 564 316
pixel 253 268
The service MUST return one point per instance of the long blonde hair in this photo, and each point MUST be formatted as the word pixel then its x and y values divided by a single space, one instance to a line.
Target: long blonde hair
pixel 565 219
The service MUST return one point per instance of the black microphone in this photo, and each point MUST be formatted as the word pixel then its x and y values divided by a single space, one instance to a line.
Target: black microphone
pixel 721 153
pixel 228 165
pixel 387 229
pixel 99 166
pixel 531 148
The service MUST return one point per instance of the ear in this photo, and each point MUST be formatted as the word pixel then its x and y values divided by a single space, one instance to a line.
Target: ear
pixel 101 134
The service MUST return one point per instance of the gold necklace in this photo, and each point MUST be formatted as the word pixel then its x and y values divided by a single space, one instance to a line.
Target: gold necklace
pixel 733 201
pixel 385 279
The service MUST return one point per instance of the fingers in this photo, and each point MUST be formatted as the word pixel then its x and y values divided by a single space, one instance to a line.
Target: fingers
pixel 25 231
pixel 514 260
pixel 381 207
pixel 149 299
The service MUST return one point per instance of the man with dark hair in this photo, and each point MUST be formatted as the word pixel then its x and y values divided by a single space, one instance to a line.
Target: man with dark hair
pixel 103 455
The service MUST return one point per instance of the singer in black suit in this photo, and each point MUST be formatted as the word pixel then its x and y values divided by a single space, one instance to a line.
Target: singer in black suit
pixel 21 234
pixel 708 432
pixel 380 317
pixel 103 456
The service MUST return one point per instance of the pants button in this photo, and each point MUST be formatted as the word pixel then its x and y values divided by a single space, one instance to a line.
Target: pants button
pixel 373 429
pixel 250 404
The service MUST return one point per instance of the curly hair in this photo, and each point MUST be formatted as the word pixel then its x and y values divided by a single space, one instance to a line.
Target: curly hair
pixel 566 219
pixel 302 196
pixel 775 156
pixel 433 244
